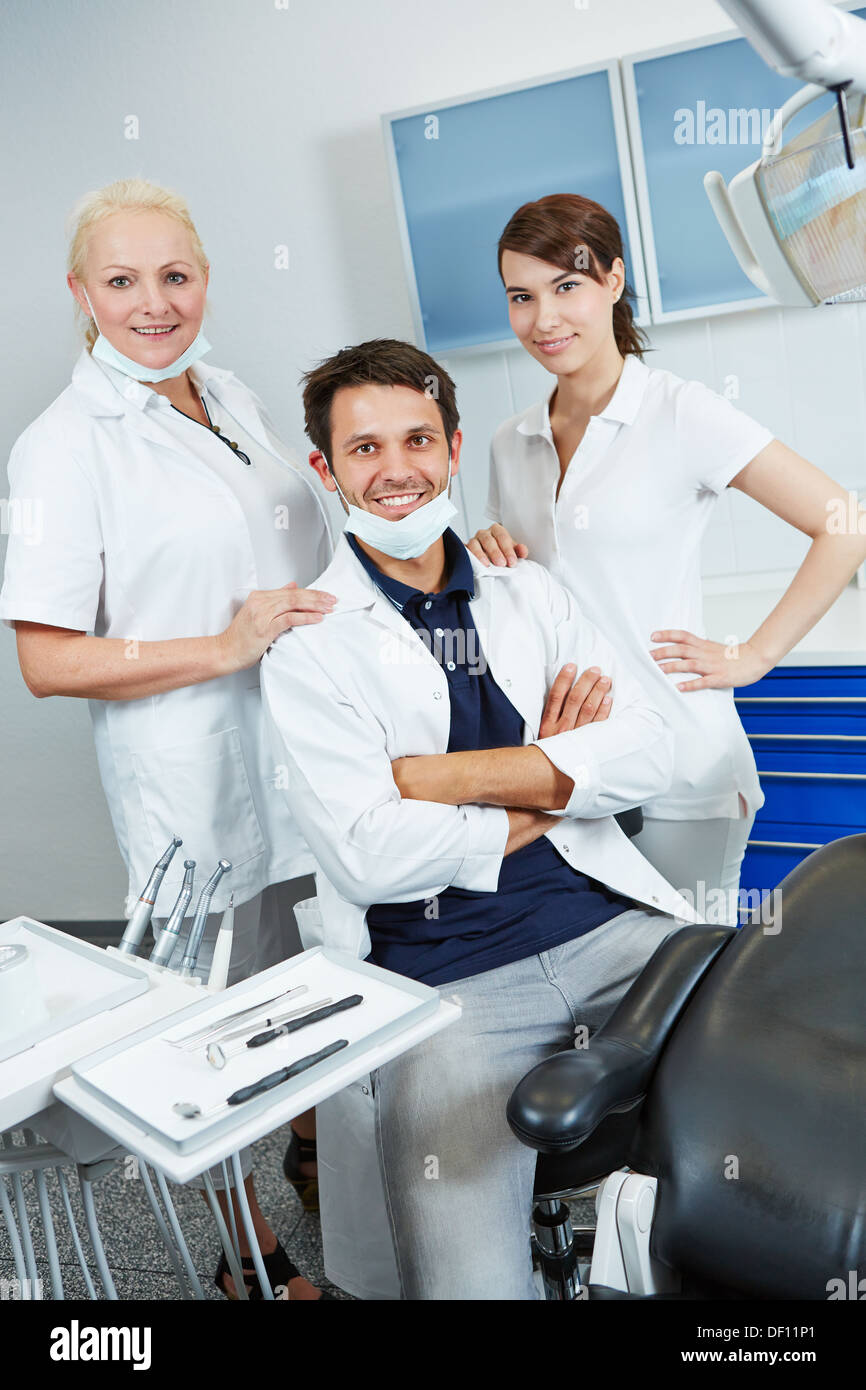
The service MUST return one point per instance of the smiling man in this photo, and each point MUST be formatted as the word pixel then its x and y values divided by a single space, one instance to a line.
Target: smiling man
pixel 461 811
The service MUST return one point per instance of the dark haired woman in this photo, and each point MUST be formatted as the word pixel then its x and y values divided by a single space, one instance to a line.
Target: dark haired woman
pixel 611 483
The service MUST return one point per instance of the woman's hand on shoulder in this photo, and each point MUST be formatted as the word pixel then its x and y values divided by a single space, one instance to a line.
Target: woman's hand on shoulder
pixel 266 613
pixel 497 546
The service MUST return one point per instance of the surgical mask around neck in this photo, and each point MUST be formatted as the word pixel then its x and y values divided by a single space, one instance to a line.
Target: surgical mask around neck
pixel 105 352
pixel 409 537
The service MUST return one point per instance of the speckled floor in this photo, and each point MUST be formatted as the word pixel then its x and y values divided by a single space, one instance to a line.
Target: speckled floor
pixel 136 1254
pixel 134 1249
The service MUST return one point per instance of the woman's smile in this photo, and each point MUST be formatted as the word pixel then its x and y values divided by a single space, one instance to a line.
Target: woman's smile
pixel 159 332
pixel 554 345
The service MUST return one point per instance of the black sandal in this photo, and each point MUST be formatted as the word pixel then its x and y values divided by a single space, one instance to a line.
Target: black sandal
pixel 278 1268
pixel 302 1151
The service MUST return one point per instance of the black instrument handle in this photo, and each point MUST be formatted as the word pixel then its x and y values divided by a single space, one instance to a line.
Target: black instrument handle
pixel 275 1078
pixel 350 1002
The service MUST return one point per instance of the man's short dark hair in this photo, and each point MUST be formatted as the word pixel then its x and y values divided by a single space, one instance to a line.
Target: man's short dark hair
pixel 381 362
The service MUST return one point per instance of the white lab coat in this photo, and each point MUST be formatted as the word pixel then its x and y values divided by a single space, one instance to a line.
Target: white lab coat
pixel 344 698
pixel 132 535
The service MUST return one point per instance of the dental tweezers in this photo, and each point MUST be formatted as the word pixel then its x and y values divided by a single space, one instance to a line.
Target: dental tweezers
pixel 193 1039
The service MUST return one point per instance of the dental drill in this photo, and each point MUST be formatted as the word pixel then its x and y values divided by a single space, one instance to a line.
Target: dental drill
pixel 143 910
pixel 168 937
pixel 197 930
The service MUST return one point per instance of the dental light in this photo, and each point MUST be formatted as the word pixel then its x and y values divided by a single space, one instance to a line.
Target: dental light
pixel 796 218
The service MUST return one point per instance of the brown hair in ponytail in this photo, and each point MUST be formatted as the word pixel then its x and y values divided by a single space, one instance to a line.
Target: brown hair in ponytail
pixel 556 229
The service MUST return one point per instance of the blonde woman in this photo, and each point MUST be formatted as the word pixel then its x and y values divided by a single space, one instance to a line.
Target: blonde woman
pixel 176 540
pixel 611 483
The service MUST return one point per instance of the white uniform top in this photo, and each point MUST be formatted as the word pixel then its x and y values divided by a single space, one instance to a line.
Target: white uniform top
pixel 259 486
pixel 625 536
pixel 137 529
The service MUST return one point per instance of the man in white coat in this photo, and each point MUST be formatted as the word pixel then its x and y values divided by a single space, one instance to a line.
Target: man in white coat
pixel 456 742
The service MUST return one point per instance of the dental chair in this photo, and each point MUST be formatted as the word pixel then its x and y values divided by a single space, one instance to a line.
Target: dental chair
pixel 721 1108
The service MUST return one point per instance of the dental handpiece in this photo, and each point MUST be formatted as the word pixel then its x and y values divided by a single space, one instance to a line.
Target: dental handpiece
pixel 197 929
pixel 141 914
pixel 167 939
pixel 222 951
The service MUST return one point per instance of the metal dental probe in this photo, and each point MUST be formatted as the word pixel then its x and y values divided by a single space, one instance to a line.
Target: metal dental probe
pixel 218 1055
pixel 192 1040
pixel 137 925
pixel 197 930
pixel 191 1111
pixel 167 939
pixel 255 1025
pixel 253 1015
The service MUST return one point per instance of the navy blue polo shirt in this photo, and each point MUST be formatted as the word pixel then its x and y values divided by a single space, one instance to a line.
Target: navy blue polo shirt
pixel 541 901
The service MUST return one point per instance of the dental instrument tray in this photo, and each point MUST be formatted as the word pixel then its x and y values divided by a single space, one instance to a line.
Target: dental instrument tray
pixel 153 1082
pixel 67 981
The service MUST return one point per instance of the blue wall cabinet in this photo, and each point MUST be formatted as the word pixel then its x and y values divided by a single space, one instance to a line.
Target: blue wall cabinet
pixel 460 169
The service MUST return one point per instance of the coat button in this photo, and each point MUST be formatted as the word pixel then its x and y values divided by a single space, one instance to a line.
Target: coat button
pixel 654 898
pixel 429 603
pixel 565 848
pixel 451 666
pixel 440 631
pixel 437 694
pixel 508 685
pixel 365 1090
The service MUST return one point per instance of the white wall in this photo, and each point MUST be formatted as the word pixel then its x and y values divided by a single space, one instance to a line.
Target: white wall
pixel 267 119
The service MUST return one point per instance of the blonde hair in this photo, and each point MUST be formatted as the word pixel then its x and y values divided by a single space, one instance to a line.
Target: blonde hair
pixel 125 195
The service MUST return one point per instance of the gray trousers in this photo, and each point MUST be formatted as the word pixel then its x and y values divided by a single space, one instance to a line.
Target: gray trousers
pixel 458 1184
pixel 702 859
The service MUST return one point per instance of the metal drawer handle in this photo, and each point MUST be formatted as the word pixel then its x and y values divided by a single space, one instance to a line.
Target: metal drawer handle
pixel 783 844
pixel 817 776
pixel 810 738
pixel 800 700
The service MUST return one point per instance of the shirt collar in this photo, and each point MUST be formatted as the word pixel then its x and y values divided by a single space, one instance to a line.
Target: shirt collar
pixel 622 407
pixel 102 384
pixel 461 578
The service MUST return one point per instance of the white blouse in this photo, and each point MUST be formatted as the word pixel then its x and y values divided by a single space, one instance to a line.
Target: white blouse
pixel 625 536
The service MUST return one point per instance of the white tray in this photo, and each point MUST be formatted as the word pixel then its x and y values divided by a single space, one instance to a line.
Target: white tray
pixel 76 980
pixel 142 1076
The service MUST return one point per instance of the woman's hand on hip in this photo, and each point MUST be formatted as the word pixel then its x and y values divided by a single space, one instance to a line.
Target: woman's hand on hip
pixel 718 664
pixel 264 614
pixel 496 545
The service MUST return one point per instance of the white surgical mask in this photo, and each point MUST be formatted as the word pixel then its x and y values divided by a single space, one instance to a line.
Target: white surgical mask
pixel 411 535
pixel 106 352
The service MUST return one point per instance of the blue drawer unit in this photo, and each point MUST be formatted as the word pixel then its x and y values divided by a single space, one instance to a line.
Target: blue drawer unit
pixel 807 728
